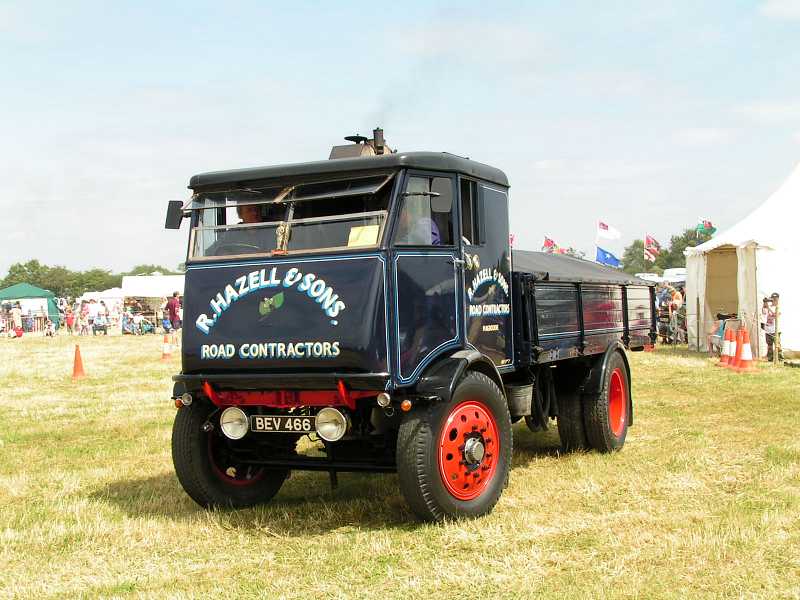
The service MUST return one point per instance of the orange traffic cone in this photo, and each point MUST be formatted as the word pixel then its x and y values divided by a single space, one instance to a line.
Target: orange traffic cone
pixel 737 355
pixel 77 364
pixel 746 363
pixel 166 350
pixel 725 355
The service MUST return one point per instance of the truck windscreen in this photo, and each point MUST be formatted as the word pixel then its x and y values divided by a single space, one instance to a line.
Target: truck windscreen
pixel 325 215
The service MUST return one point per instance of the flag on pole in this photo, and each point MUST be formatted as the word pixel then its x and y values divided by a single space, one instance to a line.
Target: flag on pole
pixel 549 245
pixel 651 248
pixel 604 257
pixel 705 226
pixel 607 232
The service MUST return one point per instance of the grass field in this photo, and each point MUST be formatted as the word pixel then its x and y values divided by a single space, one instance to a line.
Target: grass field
pixel 703 501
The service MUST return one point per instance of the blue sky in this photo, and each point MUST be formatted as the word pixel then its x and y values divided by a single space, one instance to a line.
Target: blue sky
pixel 644 115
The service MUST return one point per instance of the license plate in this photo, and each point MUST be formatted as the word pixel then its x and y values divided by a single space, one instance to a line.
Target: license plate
pixel 281 424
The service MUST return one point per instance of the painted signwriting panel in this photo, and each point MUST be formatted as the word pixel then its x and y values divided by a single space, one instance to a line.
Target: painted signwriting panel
pixel 486 281
pixel 300 314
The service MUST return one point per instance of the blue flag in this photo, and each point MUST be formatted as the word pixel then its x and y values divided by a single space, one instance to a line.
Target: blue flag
pixel 604 257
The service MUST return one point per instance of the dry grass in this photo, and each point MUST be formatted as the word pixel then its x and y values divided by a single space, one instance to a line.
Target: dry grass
pixel 704 501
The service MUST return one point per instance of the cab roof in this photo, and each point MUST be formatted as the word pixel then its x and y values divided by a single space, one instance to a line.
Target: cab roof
pixel 429 161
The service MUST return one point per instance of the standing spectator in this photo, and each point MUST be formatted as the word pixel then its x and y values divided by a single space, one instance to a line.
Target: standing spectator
pixel 16 319
pixel 173 313
pixel 769 317
pixel 70 321
pixel 84 311
pixel 83 323
pixel 94 309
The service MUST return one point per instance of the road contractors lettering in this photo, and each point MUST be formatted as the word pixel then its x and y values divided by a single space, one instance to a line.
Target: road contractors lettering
pixel 489 310
pixel 306 283
pixel 271 350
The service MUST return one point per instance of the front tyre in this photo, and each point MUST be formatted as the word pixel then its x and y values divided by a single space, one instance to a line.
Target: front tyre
pixel 453 458
pixel 207 468
pixel 606 412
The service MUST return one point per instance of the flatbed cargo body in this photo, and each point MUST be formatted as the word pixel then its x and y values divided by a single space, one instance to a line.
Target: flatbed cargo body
pixel 566 307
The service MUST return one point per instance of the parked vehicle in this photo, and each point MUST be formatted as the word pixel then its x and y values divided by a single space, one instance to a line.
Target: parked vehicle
pixel 370 305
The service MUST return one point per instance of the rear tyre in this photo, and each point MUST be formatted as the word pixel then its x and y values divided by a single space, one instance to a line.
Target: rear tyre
pixel 571 429
pixel 209 471
pixel 453 458
pixel 606 412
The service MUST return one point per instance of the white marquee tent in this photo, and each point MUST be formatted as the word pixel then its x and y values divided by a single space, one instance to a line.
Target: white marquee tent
pixel 152 286
pixel 733 271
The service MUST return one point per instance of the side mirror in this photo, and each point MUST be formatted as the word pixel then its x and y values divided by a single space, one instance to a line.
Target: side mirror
pixel 174 215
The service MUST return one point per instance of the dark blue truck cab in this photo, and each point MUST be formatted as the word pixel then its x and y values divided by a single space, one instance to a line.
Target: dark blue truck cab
pixel 366 313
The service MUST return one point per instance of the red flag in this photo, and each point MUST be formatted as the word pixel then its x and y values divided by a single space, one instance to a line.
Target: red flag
pixel 651 248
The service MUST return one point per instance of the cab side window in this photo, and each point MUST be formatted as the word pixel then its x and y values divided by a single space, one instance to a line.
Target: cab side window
pixel 426 213
pixel 473 225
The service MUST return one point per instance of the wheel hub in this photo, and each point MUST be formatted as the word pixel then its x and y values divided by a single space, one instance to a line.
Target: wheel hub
pixel 473 451
pixel 469 450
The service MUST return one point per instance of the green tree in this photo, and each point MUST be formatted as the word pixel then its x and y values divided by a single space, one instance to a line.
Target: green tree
pixel 60 280
pixel 96 279
pixel 149 269
pixel 633 260
pixel 32 272
pixel 673 257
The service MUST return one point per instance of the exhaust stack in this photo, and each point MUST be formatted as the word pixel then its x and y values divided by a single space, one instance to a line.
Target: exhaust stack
pixel 362 146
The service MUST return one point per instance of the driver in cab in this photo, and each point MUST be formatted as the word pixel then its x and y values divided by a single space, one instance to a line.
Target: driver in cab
pixel 248 240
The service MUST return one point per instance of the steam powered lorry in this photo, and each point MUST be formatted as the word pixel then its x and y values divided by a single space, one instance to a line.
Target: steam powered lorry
pixel 367 313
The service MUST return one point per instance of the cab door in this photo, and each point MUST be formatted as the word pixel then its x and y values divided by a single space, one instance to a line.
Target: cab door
pixel 426 269
pixel 487 274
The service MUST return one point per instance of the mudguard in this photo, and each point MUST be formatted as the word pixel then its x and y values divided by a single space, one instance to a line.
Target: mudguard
pixel 594 379
pixel 439 380
pixel 178 389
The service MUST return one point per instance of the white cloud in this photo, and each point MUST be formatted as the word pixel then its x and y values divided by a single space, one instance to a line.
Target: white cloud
pixel 549 164
pixel 471 41
pixel 770 112
pixel 781 9
pixel 702 136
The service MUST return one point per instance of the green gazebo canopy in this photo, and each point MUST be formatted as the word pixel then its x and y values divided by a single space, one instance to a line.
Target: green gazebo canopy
pixel 20 291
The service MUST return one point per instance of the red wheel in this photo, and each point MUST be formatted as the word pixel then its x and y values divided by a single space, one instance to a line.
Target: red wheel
pixel 468 450
pixel 606 412
pixel 208 469
pixel 230 471
pixel 453 457
pixel 617 403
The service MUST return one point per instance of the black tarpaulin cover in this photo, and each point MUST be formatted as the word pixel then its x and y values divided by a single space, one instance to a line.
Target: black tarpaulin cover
pixel 558 267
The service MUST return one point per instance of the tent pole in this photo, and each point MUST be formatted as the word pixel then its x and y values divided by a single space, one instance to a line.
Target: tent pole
pixel 757 335
pixel 697 308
